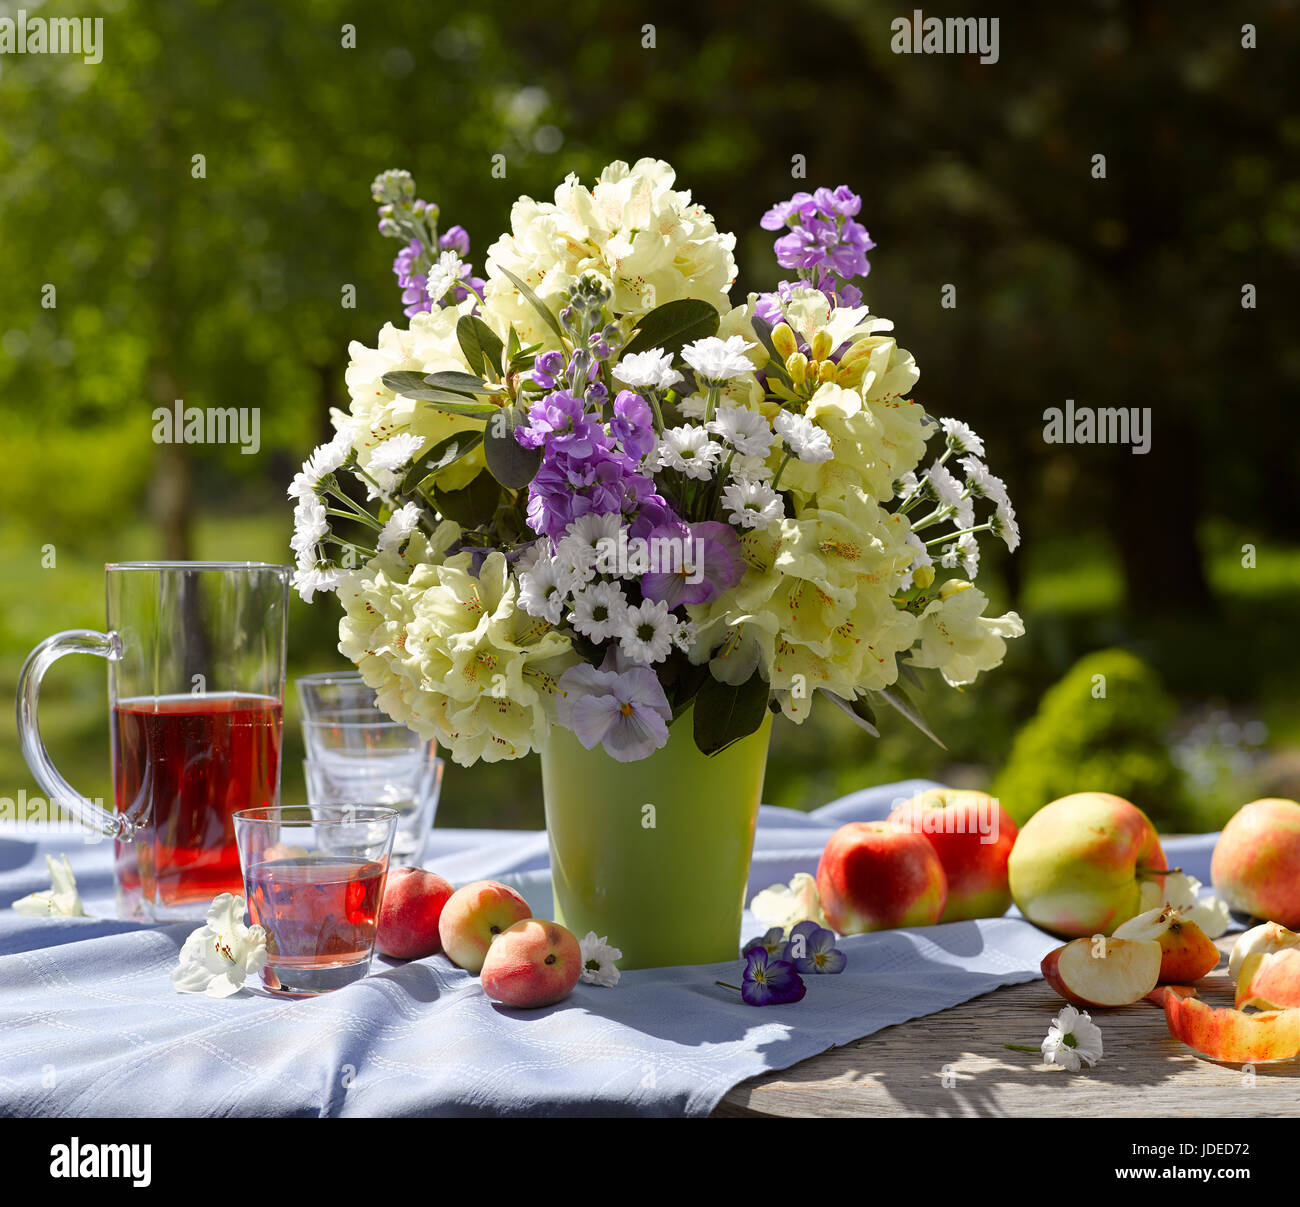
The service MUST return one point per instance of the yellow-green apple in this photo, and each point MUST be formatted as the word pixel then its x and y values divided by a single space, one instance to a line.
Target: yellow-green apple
pixel 1079 864
pixel 533 963
pixel 972 835
pixel 1266 938
pixel 1256 862
pixel 1270 982
pixel 874 875
pixel 1187 952
pixel 1103 972
pixel 1234 1035
pixel 410 912
pixel 474 916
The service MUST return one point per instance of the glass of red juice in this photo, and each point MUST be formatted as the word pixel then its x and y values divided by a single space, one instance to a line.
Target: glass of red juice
pixel 195 655
pixel 314 879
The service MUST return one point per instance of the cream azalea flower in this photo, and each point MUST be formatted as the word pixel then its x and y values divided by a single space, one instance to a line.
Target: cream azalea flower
pixel 59 900
pixel 786 905
pixel 218 957
pixel 957 638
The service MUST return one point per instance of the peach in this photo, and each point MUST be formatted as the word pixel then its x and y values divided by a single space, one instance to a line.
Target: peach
pixel 874 876
pixel 1256 862
pixel 1079 864
pixel 972 835
pixel 532 963
pixel 1103 972
pixel 1187 952
pixel 1233 1035
pixel 1271 982
pixel 408 917
pixel 474 916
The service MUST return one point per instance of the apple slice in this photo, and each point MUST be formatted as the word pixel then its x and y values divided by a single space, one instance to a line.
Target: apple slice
pixel 1271 936
pixel 1104 972
pixel 1187 952
pixel 1233 1035
pixel 1270 981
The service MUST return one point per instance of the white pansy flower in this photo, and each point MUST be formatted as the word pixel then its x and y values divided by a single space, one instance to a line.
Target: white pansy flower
pixel 444 273
pixel 598 961
pixel 717 360
pixel 599 611
pixel 1072 1040
pixel 786 905
pixel 745 430
pixel 689 450
pixel 396 453
pixel 404 521
pixel 219 956
pixel 648 631
pixel 310 524
pixel 60 900
pixel 961 438
pixel 810 443
pixel 652 370
pixel 752 504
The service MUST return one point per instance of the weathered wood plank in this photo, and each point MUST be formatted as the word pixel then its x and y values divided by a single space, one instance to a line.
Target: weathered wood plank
pixel 954 1064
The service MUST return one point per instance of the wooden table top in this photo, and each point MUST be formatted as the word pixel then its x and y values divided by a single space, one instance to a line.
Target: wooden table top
pixel 954 1064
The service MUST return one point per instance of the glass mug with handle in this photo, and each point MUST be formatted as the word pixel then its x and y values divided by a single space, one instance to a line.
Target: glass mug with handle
pixel 195 656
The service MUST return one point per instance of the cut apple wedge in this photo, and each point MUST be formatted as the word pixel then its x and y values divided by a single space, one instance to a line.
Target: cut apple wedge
pixel 1187 952
pixel 1233 1035
pixel 1104 972
pixel 1270 981
pixel 1266 938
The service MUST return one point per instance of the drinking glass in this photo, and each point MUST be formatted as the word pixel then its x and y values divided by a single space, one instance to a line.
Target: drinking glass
pixel 195 655
pixel 314 879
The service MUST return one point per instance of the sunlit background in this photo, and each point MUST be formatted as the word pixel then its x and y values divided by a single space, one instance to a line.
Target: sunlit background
pixel 1175 574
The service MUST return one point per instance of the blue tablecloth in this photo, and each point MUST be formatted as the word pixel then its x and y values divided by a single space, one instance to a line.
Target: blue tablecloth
pixel 91 1026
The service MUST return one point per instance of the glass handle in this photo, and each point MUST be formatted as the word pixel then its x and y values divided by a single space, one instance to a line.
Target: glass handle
pixel 74 641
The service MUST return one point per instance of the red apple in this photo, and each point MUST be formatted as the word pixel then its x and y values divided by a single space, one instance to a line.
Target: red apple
pixel 875 876
pixel 1270 982
pixel 408 918
pixel 474 916
pixel 1256 862
pixel 1187 952
pixel 1233 1035
pixel 533 963
pixel 1103 972
pixel 972 835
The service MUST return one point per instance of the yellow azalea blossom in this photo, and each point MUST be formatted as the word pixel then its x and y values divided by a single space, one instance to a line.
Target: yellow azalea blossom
pixel 957 638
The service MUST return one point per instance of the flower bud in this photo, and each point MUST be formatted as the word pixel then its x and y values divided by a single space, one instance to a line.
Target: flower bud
pixel 821 345
pixel 923 576
pixel 784 341
pixel 796 364
pixel 826 371
pixel 953 587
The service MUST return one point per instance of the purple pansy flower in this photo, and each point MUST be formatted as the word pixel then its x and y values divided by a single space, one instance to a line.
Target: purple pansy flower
pixel 811 948
pixel 768 982
pixel 704 561
pixel 773 943
pixel 625 712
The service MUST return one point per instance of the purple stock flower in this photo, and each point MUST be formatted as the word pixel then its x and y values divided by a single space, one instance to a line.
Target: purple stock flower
pixel 811 948
pixel 561 424
pixel 546 367
pixel 625 712
pixel 800 206
pixel 704 561
pixel 633 424
pixel 405 267
pixel 455 239
pixel 769 982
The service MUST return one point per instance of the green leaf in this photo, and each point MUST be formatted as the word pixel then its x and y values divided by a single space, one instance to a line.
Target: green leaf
pixel 445 453
pixel 480 344
pixel 897 699
pixel 511 464
pixel 725 714
pixel 451 379
pixel 445 400
pixel 859 710
pixel 673 324
pixel 471 507
pixel 551 321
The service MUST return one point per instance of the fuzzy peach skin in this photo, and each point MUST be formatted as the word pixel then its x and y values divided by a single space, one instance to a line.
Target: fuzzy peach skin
pixel 1271 982
pixel 1256 862
pixel 876 876
pixel 534 963
pixel 412 908
pixel 1079 864
pixel 975 862
pixel 474 916
pixel 1233 1035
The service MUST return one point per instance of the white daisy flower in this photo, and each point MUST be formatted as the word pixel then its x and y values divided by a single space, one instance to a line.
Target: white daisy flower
pixel 689 450
pixel 751 468
pixel 310 524
pixel 598 961
pixel 945 487
pixel 575 562
pixel 752 504
pixel 542 593
pixel 1005 526
pixel 404 521
pixel 694 407
pixel 646 634
pixel 745 430
pixel 324 460
pixel 684 636
pixel 906 486
pixel 981 482
pixel 309 578
pixel 444 273
pixel 1072 1040
pixel 717 360
pixel 396 453
pixel 385 482
pixel 540 548
pixel 599 611
pixel 652 370
pixel 961 438
pixel 804 438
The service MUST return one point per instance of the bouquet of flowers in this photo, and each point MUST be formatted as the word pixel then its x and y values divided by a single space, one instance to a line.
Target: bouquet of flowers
pixel 587 490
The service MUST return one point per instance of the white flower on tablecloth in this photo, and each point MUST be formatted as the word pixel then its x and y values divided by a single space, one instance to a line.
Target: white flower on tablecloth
pixel 1181 891
pixel 1072 1040
pixel 598 961
pixel 60 900
pixel 219 956
pixel 786 905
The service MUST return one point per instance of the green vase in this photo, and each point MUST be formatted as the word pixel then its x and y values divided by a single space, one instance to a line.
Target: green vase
pixel 654 854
